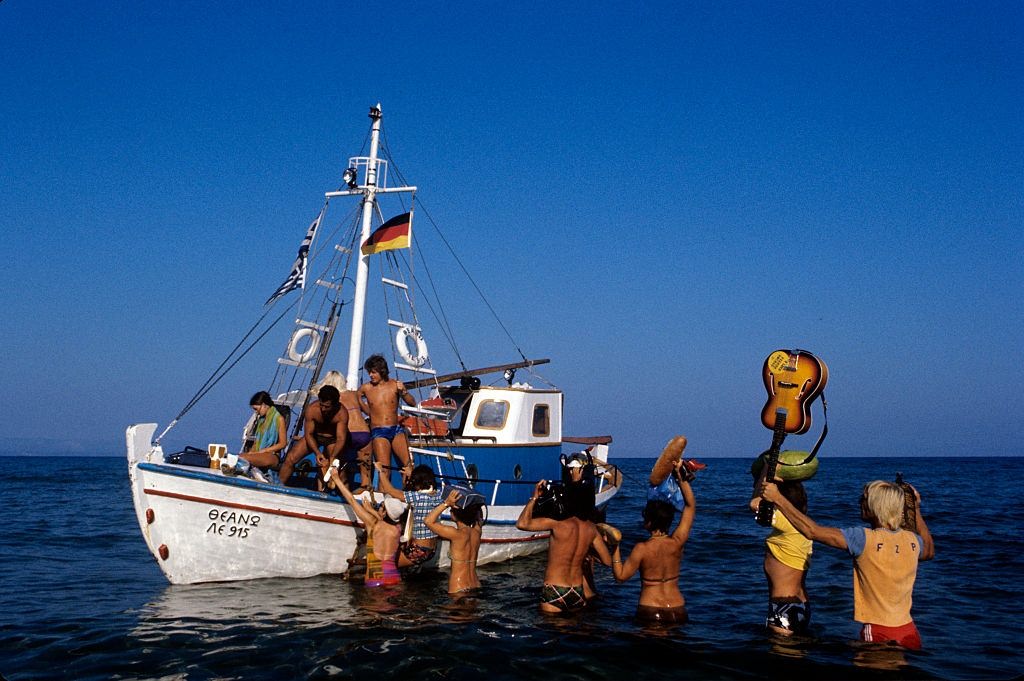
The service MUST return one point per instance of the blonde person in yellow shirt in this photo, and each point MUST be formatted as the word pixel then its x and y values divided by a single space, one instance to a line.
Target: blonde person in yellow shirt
pixel 787 558
pixel 885 558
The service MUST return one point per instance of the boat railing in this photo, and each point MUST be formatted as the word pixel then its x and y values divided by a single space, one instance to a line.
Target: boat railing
pixel 603 470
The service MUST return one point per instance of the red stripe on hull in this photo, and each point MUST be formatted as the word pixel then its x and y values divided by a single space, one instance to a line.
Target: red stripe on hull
pixel 307 516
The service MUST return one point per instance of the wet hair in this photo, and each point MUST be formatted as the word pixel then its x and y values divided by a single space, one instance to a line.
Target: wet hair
pixel 377 363
pixel 884 501
pixel 329 393
pixel 335 379
pixel 795 493
pixel 470 515
pixel 262 397
pixel 422 477
pixel 658 515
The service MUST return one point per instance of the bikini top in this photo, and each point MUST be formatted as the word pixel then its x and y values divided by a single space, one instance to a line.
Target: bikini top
pixel 659 581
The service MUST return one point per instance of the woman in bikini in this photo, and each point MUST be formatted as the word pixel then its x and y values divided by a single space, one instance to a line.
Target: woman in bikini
pixel 463 541
pixel 658 559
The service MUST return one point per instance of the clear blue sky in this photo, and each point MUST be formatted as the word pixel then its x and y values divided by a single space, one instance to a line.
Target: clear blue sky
pixel 655 195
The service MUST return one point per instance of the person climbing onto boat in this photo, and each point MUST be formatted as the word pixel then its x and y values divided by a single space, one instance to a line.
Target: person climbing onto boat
pixel 379 398
pixel 885 558
pixel 422 496
pixel 325 430
pixel 356 454
pixel 787 558
pixel 269 433
pixel 463 541
pixel 382 523
pixel 572 536
pixel 658 558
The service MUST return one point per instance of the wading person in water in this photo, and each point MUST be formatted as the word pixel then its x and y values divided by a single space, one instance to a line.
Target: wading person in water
pixel 420 492
pixel 787 558
pixel 463 541
pixel 383 526
pixel 658 558
pixel 325 429
pixel 885 558
pixel 571 538
pixel 379 398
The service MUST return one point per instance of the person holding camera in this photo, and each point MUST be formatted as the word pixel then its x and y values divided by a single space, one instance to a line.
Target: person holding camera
pixel 572 536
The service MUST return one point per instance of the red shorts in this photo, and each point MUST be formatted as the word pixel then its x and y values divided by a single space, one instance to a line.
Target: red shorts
pixel 905 635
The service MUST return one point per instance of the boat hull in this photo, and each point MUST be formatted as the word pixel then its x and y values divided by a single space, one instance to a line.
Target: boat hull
pixel 203 526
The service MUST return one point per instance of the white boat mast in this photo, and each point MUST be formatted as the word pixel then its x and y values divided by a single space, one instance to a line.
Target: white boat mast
pixel 369 189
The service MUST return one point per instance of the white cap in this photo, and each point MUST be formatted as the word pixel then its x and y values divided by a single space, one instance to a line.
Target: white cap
pixel 394 508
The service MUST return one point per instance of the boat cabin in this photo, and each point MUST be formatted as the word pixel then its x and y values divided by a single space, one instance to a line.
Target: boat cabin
pixel 518 414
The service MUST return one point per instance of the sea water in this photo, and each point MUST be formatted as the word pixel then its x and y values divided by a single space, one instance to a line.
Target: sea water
pixel 82 598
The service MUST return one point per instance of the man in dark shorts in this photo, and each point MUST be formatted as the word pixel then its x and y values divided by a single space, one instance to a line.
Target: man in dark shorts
pixel 325 430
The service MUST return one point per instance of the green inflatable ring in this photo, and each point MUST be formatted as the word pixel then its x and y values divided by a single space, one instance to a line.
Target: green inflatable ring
pixel 791 465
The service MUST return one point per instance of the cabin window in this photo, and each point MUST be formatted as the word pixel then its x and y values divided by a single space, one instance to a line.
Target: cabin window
pixel 541 420
pixel 492 414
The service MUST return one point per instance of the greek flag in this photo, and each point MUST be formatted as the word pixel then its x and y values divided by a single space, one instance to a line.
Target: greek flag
pixel 297 277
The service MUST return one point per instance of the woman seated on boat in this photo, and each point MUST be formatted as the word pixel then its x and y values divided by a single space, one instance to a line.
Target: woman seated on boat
pixel 269 433
pixel 659 557
pixel 463 541
pixel 422 495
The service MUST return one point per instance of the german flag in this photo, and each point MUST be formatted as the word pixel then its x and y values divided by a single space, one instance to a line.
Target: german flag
pixel 391 235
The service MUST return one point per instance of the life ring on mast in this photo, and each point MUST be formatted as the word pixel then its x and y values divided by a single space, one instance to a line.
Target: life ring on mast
pixel 402 337
pixel 297 338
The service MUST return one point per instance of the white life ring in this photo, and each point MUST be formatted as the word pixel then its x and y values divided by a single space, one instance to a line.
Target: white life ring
pixel 402 337
pixel 297 338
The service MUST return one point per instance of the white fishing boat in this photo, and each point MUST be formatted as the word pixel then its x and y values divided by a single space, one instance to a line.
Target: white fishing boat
pixel 499 437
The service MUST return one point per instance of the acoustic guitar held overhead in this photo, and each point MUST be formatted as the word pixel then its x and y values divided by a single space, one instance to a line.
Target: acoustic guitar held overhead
pixel 793 379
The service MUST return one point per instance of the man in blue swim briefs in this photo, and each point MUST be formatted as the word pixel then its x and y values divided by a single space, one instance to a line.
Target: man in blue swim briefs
pixel 379 398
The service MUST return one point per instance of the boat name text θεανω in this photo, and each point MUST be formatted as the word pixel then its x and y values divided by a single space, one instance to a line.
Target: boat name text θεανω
pixel 231 524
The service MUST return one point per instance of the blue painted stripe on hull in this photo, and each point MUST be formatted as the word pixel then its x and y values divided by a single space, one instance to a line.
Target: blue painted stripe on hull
pixel 205 476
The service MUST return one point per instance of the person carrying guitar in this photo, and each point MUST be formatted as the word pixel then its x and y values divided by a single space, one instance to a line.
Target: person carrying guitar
pixel 787 558
pixel 885 558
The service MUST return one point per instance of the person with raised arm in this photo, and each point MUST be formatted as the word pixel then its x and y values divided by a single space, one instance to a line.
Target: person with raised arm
pixel 382 525
pixel 463 540
pixel 787 558
pixel 572 536
pixel 658 558
pixel 420 492
pixel 885 558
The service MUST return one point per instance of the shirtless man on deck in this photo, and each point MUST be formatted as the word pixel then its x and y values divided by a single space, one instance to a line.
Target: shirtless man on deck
pixel 325 430
pixel 356 454
pixel 571 539
pixel 379 398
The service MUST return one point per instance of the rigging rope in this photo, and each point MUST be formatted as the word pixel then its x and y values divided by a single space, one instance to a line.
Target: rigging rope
pixel 387 154
pixel 214 378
